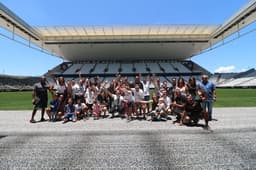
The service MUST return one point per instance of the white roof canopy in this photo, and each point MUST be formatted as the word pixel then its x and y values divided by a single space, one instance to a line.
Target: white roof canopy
pixel 127 32
pixel 140 42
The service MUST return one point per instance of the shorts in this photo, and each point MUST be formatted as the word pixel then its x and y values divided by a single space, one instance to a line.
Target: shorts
pixel 40 103
pixel 146 98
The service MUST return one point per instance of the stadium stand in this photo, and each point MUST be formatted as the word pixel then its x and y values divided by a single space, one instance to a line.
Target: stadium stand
pixel 140 67
pixel 73 69
pixel 219 78
pixel 17 83
pixel 180 68
pixel 107 72
pixel 235 82
pixel 249 83
pixel 100 68
pixel 128 68
pixel 88 68
pixel 166 67
pixel 113 68
pixel 154 67
pixel 244 79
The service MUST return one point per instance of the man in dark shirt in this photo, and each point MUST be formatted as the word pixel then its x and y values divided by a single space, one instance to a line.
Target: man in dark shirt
pixel 39 98
pixel 194 111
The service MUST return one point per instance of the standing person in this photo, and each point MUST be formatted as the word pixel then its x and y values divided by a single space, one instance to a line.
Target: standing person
pixel 128 103
pixel 138 98
pixel 154 101
pixel 210 90
pixel 146 85
pixel 117 104
pixel 78 90
pixel 60 85
pixel 90 96
pixel 191 87
pixel 137 80
pixel 181 86
pixel 39 98
pixel 157 85
pixel 172 88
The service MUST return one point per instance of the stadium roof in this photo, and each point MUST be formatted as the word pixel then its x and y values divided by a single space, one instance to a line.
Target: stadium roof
pixel 138 42
pixel 127 42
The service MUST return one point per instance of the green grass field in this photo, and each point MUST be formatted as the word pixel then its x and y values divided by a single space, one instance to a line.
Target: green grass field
pixel 16 100
pixel 225 98
pixel 236 98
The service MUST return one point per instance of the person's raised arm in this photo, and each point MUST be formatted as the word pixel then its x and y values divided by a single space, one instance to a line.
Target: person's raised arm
pixel 52 76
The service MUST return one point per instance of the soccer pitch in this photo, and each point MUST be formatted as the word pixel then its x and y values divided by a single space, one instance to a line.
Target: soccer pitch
pixel 225 98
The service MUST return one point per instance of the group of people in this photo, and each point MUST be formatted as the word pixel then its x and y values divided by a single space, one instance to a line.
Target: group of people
pixel 75 100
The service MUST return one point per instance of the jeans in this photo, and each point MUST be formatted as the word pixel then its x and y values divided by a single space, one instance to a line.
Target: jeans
pixel 68 115
pixel 207 106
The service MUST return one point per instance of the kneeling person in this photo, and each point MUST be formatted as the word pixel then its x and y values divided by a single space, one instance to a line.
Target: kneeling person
pixel 160 112
pixel 53 109
pixel 194 111
pixel 80 109
pixel 69 111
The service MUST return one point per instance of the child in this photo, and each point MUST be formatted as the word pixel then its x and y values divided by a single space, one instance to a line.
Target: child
pixel 69 111
pixel 54 105
pixel 160 111
pixel 80 109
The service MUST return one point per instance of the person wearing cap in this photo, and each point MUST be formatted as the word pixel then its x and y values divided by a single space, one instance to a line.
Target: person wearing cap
pixel 210 90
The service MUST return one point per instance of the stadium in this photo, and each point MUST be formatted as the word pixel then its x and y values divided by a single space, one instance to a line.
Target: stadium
pixel 227 142
pixel 165 50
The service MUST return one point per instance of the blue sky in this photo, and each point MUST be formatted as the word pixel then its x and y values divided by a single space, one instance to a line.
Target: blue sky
pixel 17 59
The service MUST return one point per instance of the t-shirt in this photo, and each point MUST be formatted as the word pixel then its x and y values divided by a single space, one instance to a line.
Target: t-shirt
pixel 117 100
pixel 146 88
pixel 78 90
pixel 61 89
pixel 69 108
pixel 89 95
pixel 54 105
pixel 79 108
pixel 138 95
pixel 167 101
pixel 193 107
pixel 208 87
pixel 41 95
